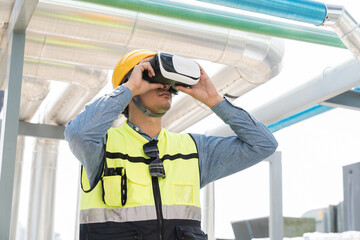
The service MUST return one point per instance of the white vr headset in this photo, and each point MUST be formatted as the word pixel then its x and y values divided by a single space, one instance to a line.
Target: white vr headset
pixel 173 70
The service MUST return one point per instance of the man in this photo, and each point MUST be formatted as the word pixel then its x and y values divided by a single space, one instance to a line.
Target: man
pixel 140 181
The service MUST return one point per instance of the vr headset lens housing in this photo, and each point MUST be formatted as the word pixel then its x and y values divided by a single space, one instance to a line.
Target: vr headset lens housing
pixel 173 70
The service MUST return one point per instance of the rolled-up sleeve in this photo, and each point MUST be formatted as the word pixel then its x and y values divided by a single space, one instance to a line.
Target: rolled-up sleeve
pixel 222 156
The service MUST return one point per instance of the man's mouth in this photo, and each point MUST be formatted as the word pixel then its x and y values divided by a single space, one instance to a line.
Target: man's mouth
pixel 164 93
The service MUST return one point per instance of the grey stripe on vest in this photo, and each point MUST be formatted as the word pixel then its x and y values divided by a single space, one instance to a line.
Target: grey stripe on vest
pixel 141 213
pixel 181 212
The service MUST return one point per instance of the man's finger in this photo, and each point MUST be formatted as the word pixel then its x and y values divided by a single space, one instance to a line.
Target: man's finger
pixel 156 85
pixel 146 59
pixel 184 89
pixel 148 67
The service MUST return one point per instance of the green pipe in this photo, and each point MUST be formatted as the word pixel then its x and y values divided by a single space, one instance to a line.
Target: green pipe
pixel 226 19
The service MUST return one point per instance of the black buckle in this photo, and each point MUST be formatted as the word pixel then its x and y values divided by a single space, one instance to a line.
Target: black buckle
pixel 156 167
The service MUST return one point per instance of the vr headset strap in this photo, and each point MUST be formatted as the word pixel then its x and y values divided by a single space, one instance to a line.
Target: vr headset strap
pixel 146 111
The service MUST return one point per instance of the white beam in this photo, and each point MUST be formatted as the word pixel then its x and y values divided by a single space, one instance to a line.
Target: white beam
pixel 41 130
pixel 330 83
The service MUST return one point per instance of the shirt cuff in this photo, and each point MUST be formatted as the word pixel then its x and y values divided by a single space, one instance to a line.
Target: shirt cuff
pixel 123 91
pixel 226 110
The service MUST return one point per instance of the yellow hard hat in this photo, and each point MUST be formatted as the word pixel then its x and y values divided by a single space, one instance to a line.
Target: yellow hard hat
pixel 128 62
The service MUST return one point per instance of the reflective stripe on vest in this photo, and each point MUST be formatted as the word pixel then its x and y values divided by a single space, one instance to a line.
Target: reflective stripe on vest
pixel 180 190
pixel 142 213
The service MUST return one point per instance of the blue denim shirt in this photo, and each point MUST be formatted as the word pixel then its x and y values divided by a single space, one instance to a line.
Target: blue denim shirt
pixel 218 156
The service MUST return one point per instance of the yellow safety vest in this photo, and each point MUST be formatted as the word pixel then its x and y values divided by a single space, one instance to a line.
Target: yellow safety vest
pixel 180 189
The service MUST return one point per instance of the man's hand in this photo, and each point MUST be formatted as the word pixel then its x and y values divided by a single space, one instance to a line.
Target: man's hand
pixel 204 90
pixel 136 83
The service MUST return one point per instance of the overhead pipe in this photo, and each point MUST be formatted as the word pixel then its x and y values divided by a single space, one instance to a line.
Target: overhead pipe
pixel 35 88
pixel 256 58
pixel 82 52
pixel 298 10
pixel 306 11
pixel 33 93
pixel 70 103
pixel 325 106
pixel 125 30
pixel 89 77
pixel 301 103
pixel 218 17
pixel 298 117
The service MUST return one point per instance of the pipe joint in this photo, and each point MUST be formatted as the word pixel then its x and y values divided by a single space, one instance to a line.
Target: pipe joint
pixel 333 14
pixel 345 27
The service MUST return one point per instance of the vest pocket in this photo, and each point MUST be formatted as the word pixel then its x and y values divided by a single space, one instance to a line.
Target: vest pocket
pixel 190 233
pixel 114 190
pixel 183 193
pixel 139 184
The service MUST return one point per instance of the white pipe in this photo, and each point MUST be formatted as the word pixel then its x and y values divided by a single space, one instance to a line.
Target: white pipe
pixel 33 93
pixel 332 82
pixel 64 108
pixel 42 191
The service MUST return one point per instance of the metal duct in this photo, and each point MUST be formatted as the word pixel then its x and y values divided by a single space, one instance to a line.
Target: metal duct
pixel 42 190
pixel 345 26
pixel 70 103
pixel 70 50
pixel 35 89
pixel 33 92
pixel 229 81
pixel 99 37
pixel 64 72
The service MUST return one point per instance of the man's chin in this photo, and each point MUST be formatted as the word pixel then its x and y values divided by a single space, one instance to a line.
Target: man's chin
pixel 164 109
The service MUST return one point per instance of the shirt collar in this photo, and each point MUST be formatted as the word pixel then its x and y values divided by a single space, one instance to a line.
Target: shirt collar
pixel 138 130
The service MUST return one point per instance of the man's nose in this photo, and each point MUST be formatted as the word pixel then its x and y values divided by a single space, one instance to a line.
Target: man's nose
pixel 166 87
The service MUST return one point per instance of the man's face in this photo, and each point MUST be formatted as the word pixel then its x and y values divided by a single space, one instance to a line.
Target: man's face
pixel 157 100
